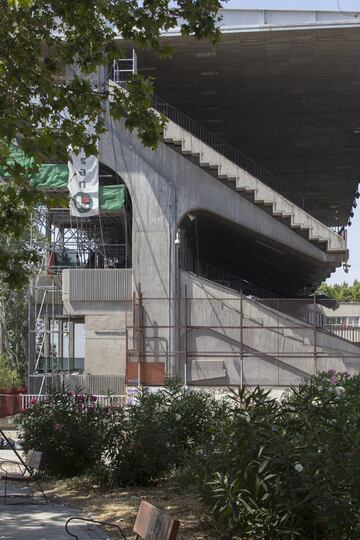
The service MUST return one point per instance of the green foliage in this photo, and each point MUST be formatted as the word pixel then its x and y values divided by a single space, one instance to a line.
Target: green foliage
pixel 14 327
pixel 134 444
pixel 40 38
pixel 286 470
pixel 343 292
pixel 9 377
pixel 267 469
pixel 69 428
pixel 156 433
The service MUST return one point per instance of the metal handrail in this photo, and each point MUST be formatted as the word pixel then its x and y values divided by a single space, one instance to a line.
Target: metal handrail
pixel 235 155
pixel 222 277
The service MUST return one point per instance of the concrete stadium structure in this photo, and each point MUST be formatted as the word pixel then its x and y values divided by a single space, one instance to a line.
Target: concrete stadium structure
pixel 222 256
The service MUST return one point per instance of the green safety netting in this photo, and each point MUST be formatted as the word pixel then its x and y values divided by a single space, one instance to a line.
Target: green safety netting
pixel 54 176
pixel 111 198
pixel 51 176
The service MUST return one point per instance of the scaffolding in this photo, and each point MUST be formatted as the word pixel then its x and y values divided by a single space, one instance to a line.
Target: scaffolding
pixel 65 241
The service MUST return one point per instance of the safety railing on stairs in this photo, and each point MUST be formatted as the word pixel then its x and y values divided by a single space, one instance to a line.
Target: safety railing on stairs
pixel 222 277
pixel 237 157
pixel 231 153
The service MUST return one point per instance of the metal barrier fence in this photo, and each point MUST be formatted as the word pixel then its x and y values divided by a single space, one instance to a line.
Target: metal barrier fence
pixel 103 400
pixel 91 384
pixel 350 333
pixel 10 405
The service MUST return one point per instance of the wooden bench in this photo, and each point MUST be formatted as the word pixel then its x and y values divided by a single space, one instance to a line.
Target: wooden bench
pixel 150 524
pixel 25 471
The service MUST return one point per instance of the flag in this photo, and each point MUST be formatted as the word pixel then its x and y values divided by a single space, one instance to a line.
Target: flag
pixel 83 185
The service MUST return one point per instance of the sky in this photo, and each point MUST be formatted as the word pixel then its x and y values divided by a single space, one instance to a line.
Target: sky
pixel 332 5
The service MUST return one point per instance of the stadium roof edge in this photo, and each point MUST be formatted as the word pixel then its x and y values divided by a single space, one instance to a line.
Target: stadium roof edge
pixel 260 20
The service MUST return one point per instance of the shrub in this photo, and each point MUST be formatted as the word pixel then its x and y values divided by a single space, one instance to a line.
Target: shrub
pixel 69 428
pixel 286 470
pixel 9 377
pixel 156 433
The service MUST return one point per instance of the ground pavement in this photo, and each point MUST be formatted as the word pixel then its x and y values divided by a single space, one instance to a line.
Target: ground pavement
pixel 40 522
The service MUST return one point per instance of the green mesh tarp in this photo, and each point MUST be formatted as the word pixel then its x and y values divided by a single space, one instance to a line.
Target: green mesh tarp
pixel 51 176
pixel 111 198
pixel 54 176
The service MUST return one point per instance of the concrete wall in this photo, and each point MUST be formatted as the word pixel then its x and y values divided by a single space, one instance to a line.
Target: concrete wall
pixel 164 186
pixel 345 309
pixel 105 348
pixel 278 350
pixel 107 312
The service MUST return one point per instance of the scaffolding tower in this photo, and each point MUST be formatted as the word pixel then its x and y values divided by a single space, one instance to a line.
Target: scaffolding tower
pixel 65 241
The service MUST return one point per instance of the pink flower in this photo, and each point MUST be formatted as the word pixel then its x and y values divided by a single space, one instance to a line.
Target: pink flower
pixel 33 401
pixel 93 399
pixel 80 398
pixel 331 372
pixel 91 410
pixel 105 409
pixel 70 394
pixel 57 427
pixel 333 380
pixel 79 408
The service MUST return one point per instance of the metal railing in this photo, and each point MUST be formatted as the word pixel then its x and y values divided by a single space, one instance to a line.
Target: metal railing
pixel 305 309
pixel 350 333
pixel 230 152
pixel 222 277
pixel 101 256
pixel 102 399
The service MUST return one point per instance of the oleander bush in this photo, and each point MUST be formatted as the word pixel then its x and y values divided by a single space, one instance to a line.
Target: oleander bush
pixel 158 432
pixel 288 469
pixel 267 469
pixel 69 428
pixel 135 444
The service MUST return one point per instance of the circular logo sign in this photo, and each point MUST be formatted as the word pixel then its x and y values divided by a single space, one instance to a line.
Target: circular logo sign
pixel 83 202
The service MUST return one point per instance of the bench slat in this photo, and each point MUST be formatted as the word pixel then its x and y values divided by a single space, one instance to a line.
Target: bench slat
pixel 154 524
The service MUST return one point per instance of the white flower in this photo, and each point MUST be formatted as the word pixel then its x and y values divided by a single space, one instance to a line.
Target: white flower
pixel 167 445
pixel 177 417
pixel 338 390
pixel 314 402
pixel 299 467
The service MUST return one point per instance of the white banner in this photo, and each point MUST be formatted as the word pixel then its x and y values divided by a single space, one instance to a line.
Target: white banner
pixel 83 185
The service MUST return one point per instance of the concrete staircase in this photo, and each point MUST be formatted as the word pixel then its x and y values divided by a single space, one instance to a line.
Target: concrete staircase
pixel 278 349
pixel 242 181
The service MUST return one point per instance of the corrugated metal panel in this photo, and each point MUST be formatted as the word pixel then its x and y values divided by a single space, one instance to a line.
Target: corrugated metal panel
pixel 108 285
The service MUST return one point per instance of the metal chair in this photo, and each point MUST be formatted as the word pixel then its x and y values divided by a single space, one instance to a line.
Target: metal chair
pixel 27 472
pixel 150 524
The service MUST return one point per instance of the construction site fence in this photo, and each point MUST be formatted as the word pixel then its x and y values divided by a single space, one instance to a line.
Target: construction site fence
pixel 235 341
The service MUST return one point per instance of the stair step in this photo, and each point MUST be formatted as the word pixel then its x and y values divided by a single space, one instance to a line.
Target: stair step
pixel 262 194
